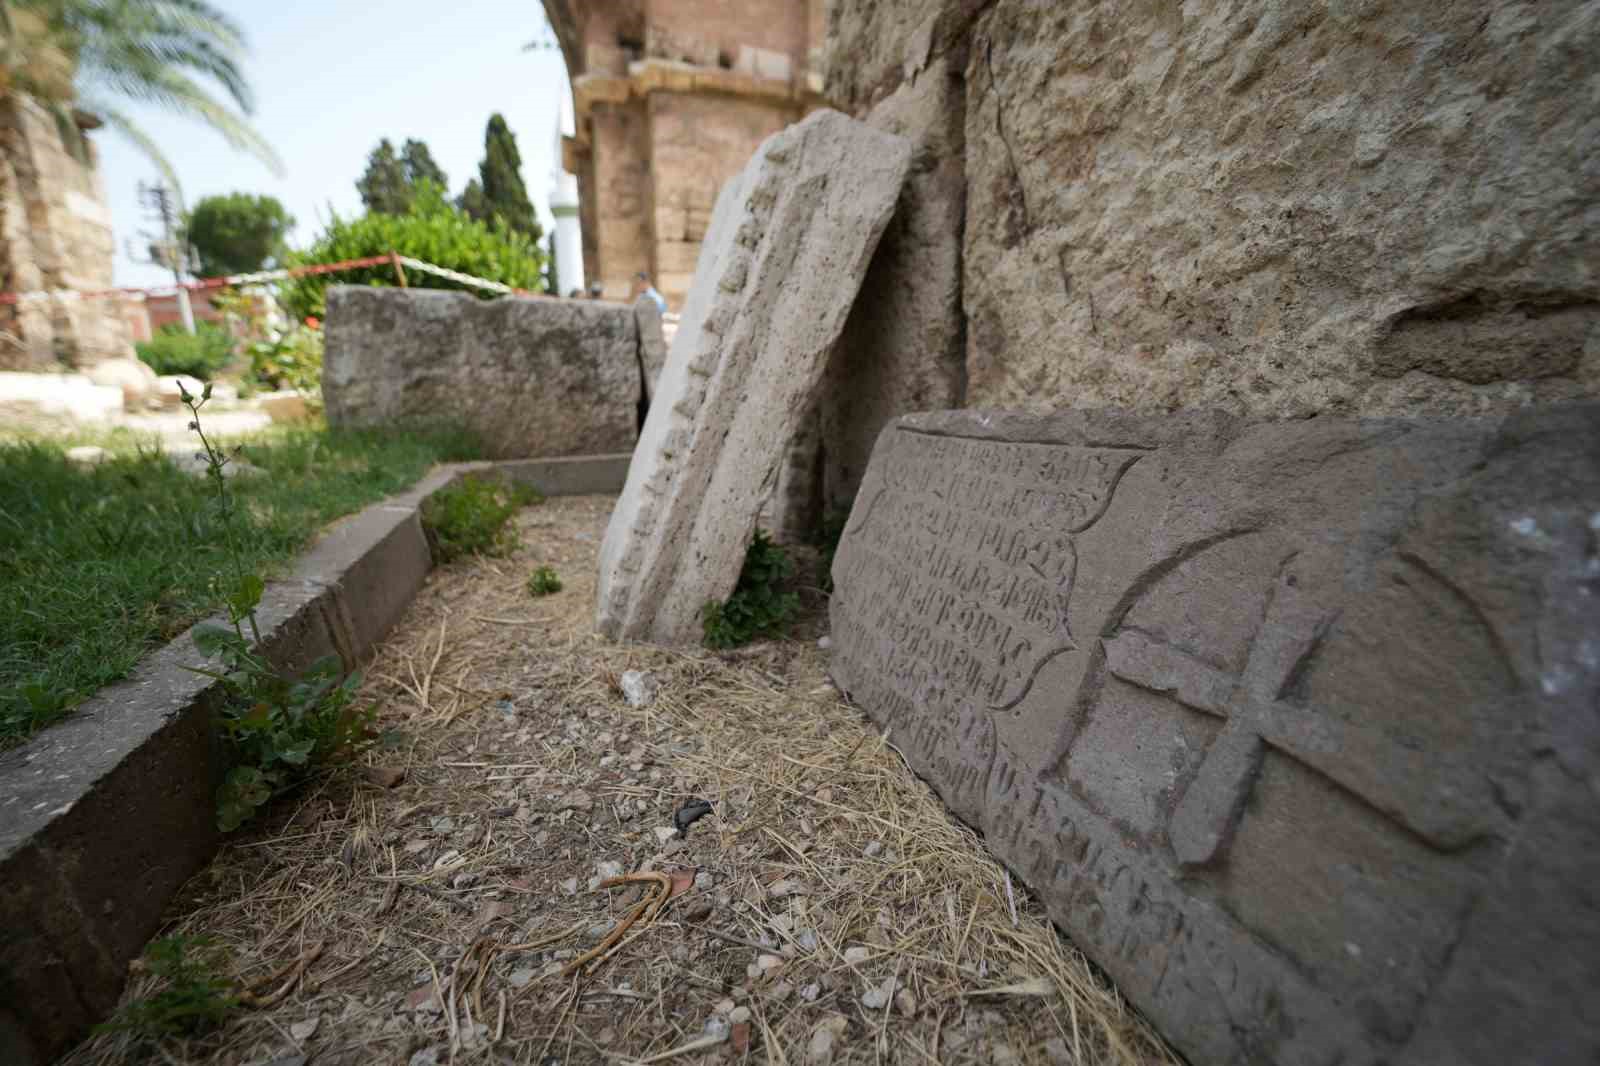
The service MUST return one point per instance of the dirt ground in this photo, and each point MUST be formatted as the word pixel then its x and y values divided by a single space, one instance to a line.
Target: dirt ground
pixel 443 903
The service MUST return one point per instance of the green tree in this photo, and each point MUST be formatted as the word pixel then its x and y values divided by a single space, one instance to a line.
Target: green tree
pixel 419 165
pixel 392 178
pixel 237 233
pixel 384 187
pixel 473 202
pixel 82 56
pixel 433 231
pixel 499 191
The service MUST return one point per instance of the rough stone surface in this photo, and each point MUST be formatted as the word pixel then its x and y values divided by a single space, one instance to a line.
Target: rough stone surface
pixel 652 344
pixel 788 245
pixel 139 384
pixel 1291 724
pixel 55 233
pixel 1366 208
pixel 532 377
pixel 670 99
pixel 903 344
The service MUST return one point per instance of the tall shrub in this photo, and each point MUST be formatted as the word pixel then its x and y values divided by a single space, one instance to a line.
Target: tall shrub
pixel 433 231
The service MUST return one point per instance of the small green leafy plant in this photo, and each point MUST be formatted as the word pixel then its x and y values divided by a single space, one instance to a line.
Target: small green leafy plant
pixel 173 351
pixel 472 517
pixel 543 582
pixel 760 606
pixel 193 998
pixel 291 359
pixel 277 727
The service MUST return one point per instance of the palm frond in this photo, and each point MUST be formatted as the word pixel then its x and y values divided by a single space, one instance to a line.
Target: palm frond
pixel 173 54
pixel 130 129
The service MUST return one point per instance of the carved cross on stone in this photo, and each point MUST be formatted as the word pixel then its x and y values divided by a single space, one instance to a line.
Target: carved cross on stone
pixel 1362 758
pixel 1205 816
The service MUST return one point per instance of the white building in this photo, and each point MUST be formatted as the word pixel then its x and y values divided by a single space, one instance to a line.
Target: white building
pixel 567 240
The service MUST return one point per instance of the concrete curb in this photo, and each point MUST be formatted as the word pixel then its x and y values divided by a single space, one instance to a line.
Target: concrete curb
pixel 104 816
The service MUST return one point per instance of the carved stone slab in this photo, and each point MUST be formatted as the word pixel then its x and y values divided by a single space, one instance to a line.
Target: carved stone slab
pixel 1295 727
pixel 788 245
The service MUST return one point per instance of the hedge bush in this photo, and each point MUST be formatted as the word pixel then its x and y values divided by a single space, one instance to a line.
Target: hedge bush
pixel 433 231
pixel 172 351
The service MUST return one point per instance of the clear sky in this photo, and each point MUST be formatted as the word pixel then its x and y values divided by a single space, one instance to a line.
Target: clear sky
pixel 331 77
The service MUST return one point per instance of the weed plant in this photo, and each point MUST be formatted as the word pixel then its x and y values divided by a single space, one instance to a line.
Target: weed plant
pixel 543 582
pixel 192 1000
pixel 473 516
pixel 277 726
pixel 761 605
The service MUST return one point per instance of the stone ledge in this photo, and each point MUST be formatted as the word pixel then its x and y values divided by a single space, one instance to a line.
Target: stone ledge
pixel 105 816
pixel 653 75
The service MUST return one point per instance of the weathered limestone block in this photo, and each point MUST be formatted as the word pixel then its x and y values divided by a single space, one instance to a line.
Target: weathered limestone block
pixel 789 241
pixel 137 381
pixel 1373 208
pixel 532 377
pixel 1292 725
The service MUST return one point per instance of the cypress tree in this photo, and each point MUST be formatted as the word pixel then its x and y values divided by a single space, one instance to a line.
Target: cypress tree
pixel 500 190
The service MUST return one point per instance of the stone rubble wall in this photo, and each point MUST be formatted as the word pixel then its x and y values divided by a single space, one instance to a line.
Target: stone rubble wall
pixel 533 377
pixel 55 233
pixel 1269 208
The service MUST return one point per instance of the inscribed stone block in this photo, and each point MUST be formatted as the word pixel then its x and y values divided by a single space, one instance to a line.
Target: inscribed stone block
pixel 1291 725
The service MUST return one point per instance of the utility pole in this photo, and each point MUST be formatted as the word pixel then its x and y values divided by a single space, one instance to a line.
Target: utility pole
pixel 158 200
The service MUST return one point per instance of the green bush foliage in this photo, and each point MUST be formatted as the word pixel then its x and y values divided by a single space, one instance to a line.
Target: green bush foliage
pixel 237 233
pixel 433 231
pixel 291 360
pixel 172 351
pixel 543 582
pixel 192 999
pixel 472 517
pixel 760 606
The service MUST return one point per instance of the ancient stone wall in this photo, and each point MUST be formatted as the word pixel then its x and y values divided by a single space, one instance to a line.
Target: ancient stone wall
pixel 55 233
pixel 532 377
pixel 696 143
pixel 1276 208
pixel 671 97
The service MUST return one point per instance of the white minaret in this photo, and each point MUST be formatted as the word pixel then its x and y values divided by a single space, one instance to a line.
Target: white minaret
pixel 564 206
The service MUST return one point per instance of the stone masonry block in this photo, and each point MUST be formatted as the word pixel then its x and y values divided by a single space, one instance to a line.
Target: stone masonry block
pixel 1290 724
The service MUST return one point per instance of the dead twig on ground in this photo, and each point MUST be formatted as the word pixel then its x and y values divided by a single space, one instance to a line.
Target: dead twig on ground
pixel 292 972
pixel 646 908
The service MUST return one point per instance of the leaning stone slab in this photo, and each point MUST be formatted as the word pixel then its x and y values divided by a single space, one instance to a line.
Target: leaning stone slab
pixel 789 242
pixel 530 376
pixel 1292 726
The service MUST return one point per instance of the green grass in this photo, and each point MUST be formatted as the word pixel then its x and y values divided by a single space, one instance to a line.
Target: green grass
pixel 472 517
pixel 98 566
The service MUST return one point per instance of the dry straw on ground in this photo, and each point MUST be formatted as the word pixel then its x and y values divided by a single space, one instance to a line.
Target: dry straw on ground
pixel 447 899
